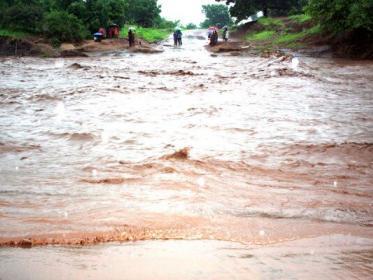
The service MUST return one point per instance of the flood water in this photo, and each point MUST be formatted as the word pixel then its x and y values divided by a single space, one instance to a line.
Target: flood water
pixel 185 145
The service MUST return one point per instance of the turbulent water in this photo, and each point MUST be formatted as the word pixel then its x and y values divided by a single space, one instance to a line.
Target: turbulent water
pixel 185 145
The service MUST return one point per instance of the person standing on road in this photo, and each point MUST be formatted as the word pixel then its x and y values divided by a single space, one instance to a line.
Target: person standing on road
pixel 180 37
pixel 131 37
pixel 225 33
pixel 175 38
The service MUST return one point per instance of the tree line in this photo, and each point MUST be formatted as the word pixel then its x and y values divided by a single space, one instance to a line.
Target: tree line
pixel 73 20
pixel 332 15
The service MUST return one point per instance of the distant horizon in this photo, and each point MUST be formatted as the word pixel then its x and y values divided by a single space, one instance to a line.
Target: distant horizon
pixel 186 11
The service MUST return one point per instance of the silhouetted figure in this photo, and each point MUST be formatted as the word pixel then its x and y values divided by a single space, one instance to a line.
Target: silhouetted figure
pixel 225 33
pixel 131 37
pixel 214 38
pixel 178 37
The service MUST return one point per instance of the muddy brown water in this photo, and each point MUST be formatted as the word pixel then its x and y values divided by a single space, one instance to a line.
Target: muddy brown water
pixel 185 145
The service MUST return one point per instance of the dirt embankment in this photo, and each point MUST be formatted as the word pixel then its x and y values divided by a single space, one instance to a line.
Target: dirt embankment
pixel 39 47
pixel 289 36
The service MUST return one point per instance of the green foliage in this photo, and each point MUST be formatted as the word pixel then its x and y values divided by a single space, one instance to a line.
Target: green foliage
pixel 46 16
pixel 22 15
pixel 216 15
pixel 148 34
pixel 270 23
pixel 302 18
pixel 282 36
pixel 287 38
pixel 261 36
pixel 342 15
pixel 64 27
pixel 242 9
pixel 142 12
pixel 191 26
pixel 12 33
pixel 163 23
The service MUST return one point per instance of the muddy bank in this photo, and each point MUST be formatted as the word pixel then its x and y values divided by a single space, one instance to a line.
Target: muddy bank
pixel 39 47
pixel 25 47
pixel 313 42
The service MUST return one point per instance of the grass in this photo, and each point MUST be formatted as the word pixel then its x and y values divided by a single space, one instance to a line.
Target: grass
pixel 313 30
pixel 149 34
pixel 288 38
pixel 300 18
pixel 276 33
pixel 261 36
pixel 270 22
pixel 12 33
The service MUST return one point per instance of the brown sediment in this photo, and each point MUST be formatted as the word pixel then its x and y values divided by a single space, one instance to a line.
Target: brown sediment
pixel 13 148
pixel 180 154
pixel 111 181
pixel 77 66
pixel 154 73
pixel 254 231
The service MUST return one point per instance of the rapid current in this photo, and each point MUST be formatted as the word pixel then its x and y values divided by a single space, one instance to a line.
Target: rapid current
pixel 268 154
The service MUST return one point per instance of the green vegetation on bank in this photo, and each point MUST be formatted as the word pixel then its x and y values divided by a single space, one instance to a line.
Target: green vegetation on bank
pixel 12 33
pixel 148 34
pixel 300 18
pixel 74 20
pixel 283 32
pixel 261 36
pixel 353 18
pixel 269 23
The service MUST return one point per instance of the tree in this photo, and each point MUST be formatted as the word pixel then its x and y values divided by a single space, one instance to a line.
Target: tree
pixel 216 15
pixel 68 20
pixel 142 12
pixel 242 9
pixel 190 26
pixel 21 15
pixel 347 15
pixel 63 26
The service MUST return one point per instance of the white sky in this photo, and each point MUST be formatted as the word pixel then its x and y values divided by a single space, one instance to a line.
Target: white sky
pixel 184 10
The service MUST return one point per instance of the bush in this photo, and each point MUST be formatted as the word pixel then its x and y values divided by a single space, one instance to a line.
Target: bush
pixel 22 17
pixel 190 26
pixel 338 16
pixel 64 27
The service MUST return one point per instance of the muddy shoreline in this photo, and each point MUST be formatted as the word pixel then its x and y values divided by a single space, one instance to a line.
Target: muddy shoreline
pixel 38 47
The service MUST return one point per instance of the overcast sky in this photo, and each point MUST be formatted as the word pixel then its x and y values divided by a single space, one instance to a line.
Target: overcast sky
pixel 185 10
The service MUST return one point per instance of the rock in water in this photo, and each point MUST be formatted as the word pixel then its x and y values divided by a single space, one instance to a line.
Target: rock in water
pixel 25 243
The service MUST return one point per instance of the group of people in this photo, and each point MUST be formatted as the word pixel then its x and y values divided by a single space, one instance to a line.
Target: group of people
pixel 212 33
pixel 178 37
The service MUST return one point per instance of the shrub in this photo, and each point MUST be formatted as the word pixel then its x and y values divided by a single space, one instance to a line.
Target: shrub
pixel 63 26
pixel 342 15
pixel 22 17
pixel 261 36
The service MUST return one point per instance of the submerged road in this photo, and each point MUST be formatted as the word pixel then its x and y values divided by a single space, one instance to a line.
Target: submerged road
pixel 185 145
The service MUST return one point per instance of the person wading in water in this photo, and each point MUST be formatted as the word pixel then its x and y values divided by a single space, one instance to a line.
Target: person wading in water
pixel 178 37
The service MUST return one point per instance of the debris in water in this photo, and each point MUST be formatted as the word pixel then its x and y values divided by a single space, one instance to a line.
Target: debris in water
pixel 294 63
pixel 180 154
pixel 201 182
pixel 94 173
